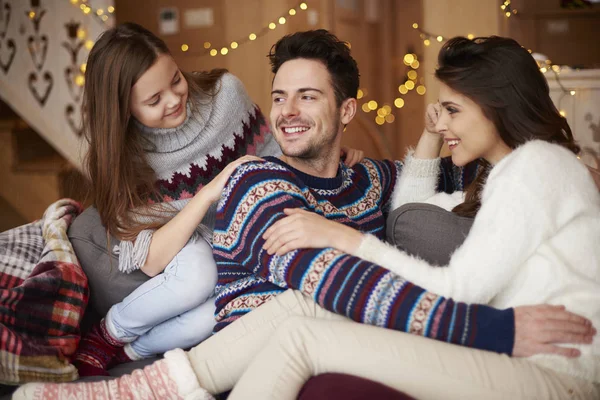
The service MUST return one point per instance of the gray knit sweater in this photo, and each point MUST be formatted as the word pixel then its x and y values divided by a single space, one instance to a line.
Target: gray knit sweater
pixel 221 129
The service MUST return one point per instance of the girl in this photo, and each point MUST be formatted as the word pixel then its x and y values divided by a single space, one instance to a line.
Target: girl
pixel 158 138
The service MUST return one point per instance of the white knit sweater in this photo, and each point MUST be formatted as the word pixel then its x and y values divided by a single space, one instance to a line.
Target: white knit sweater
pixel 535 240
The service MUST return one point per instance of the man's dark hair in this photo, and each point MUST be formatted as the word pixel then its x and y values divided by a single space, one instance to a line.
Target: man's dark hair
pixel 320 45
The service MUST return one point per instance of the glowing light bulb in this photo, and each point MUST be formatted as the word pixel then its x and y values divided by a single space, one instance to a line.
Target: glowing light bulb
pixel 292 11
pixel 399 103
pixel 185 47
pixel 408 59
pixel 234 45
pixel 281 20
pixel 272 25
pixel 252 36
pixel 214 52
pixel 426 42
pixel 224 51
pixel 372 105
pixel 359 94
pixel 415 25
pixel 303 6
pixel 421 90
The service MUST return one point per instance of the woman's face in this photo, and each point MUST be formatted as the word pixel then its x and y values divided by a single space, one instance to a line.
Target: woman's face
pixel 467 132
pixel 159 97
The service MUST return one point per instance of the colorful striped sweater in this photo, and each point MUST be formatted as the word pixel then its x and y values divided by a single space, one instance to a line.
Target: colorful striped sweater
pixel 254 199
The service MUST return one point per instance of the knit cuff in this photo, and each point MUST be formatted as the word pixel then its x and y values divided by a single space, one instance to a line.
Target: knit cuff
pixel 367 250
pixel 419 167
pixel 132 256
pixel 417 181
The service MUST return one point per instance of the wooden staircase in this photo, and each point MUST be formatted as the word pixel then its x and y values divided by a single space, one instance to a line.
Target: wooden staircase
pixel 32 173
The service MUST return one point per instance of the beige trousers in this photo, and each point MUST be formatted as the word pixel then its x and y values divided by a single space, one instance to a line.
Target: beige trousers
pixel 272 351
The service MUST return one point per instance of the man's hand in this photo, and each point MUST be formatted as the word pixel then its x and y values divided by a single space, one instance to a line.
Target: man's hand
pixel 539 328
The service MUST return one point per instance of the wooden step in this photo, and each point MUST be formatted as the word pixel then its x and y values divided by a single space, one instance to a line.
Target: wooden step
pixel 31 153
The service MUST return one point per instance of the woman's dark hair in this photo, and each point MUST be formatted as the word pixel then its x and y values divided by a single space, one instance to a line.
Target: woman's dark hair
pixel 504 80
pixel 323 46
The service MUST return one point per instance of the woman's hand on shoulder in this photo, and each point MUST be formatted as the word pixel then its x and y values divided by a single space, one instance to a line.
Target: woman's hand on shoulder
pixel 215 187
pixel 302 229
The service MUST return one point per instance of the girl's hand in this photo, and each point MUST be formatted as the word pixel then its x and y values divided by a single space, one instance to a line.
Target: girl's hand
pixel 352 157
pixel 215 187
pixel 303 229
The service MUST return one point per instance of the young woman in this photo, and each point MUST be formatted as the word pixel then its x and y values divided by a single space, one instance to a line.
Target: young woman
pixel 270 352
pixel 160 141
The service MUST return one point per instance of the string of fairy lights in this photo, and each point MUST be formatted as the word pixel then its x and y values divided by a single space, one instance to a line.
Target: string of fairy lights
pixel 384 113
pixel 223 50
pixel 101 14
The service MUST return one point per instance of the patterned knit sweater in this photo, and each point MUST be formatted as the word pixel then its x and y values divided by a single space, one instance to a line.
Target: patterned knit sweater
pixel 219 130
pixel 254 199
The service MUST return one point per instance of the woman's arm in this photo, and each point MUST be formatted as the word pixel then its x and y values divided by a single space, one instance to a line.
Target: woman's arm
pixel 420 172
pixel 508 228
pixel 168 240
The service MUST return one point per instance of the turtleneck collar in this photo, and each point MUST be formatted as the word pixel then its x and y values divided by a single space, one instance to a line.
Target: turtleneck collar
pixel 167 140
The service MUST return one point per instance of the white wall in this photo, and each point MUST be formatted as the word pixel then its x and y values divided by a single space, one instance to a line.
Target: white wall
pixel 18 84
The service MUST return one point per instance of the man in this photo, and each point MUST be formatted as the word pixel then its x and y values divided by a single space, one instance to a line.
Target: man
pixel 314 89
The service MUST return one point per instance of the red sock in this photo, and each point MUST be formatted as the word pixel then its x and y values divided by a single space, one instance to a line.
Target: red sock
pixel 120 358
pixel 96 349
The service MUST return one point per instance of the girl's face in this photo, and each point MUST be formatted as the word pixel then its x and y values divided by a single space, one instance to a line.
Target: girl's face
pixel 467 131
pixel 159 97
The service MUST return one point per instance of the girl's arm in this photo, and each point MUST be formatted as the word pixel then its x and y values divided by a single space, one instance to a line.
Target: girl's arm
pixel 168 240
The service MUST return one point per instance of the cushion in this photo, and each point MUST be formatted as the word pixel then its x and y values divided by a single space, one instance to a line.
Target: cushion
pixel 427 231
pixel 108 285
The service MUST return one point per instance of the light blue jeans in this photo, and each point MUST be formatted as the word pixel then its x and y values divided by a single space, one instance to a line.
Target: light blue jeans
pixel 173 309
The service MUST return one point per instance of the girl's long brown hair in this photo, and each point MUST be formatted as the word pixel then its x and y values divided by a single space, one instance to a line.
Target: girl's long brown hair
pixel 121 180
pixel 502 78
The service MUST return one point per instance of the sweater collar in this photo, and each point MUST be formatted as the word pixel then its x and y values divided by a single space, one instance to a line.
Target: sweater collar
pixel 167 140
pixel 312 181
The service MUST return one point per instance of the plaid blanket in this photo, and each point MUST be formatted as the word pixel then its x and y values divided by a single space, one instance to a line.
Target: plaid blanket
pixel 43 295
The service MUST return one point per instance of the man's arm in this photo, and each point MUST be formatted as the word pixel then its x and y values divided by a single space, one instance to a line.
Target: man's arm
pixel 255 199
